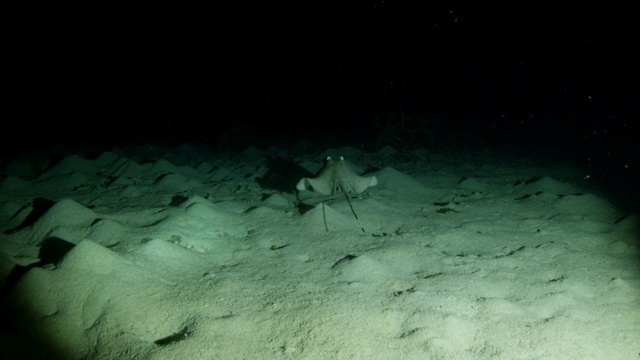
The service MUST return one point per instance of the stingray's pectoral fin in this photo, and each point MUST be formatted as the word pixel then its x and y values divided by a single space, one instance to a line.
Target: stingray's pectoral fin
pixel 303 184
pixel 361 183
pixel 315 184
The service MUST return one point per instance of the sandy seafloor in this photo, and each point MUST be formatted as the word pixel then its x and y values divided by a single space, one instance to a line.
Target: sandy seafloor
pixel 186 253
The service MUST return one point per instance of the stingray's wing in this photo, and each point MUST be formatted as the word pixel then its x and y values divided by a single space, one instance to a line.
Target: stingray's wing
pixel 318 184
pixel 357 184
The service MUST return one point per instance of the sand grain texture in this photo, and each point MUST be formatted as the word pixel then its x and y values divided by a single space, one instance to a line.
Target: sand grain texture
pixel 182 253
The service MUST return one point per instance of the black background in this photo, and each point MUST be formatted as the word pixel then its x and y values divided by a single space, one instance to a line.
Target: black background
pixel 518 78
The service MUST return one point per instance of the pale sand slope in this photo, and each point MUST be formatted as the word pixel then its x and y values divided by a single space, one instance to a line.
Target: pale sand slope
pixel 188 254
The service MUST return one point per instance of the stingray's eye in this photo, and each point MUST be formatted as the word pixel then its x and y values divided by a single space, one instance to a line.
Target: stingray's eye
pixel 341 158
pixel 328 158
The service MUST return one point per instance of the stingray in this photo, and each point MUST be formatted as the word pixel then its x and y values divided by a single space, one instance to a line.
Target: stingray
pixel 336 176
